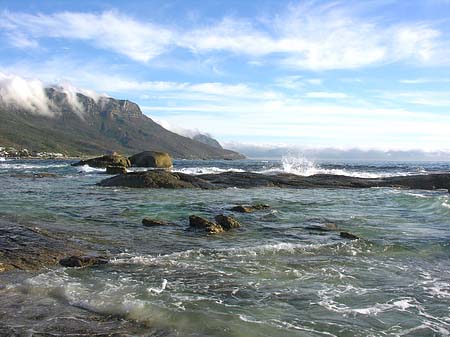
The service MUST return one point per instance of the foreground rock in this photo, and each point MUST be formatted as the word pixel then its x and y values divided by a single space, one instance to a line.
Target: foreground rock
pixel 164 179
pixel 31 248
pixel 147 222
pixel 227 222
pixel 198 222
pixel 350 236
pixel 83 261
pixel 105 161
pixel 152 159
pixel 249 209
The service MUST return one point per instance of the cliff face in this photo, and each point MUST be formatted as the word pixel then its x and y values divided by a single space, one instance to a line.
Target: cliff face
pixel 80 124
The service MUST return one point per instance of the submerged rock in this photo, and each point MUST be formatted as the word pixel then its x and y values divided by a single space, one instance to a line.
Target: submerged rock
pixel 152 159
pixel 105 161
pixel 227 222
pixel 147 222
pixel 249 209
pixel 116 170
pixel 202 223
pixel 82 261
pixel 36 175
pixel 349 236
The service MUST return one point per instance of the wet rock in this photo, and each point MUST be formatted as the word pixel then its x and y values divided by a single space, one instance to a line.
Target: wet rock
pixel 31 248
pixel 164 179
pixel 204 224
pixel 323 228
pixel 349 236
pixel 116 170
pixel 157 179
pixel 105 161
pixel 227 222
pixel 147 222
pixel 82 261
pixel 152 159
pixel 249 209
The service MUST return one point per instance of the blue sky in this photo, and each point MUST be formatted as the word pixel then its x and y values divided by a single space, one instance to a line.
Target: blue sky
pixel 344 74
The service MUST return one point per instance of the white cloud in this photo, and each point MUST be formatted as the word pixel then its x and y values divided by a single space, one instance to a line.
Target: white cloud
pixel 308 36
pixel 326 95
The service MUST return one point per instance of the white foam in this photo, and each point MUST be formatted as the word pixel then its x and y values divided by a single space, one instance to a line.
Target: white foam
pixel 2 159
pixel 206 170
pixel 10 165
pixel 158 290
pixel 88 169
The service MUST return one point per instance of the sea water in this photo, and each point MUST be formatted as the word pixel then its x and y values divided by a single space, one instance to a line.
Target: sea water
pixel 272 277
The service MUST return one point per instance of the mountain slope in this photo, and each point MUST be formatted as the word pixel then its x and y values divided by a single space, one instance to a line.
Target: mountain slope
pixel 91 126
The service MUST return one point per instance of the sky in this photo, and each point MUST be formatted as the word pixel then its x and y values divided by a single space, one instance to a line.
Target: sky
pixel 317 74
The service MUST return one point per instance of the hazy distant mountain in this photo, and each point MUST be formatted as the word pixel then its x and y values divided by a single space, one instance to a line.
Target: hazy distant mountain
pixel 207 139
pixel 76 123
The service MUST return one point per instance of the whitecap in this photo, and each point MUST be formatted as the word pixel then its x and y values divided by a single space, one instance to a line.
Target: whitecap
pixel 88 169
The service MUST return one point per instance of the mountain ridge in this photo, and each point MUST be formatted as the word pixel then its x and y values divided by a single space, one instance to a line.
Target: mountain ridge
pixel 77 124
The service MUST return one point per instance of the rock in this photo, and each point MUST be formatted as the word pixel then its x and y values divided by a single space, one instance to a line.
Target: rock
pixel 152 159
pixel 164 179
pixel 105 161
pixel 227 222
pixel 349 236
pixel 202 223
pixel 249 209
pixel 147 222
pixel 157 179
pixel 323 228
pixel 116 170
pixel 82 261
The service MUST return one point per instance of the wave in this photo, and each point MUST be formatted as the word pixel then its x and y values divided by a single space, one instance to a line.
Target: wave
pixel 88 169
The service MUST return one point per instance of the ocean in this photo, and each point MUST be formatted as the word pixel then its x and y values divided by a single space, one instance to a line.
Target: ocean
pixel 274 276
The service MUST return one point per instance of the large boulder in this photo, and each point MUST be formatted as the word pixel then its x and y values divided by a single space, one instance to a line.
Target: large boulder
pixel 152 159
pixel 105 161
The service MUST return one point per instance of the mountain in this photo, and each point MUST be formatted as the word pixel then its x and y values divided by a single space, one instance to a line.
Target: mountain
pixel 207 139
pixel 79 124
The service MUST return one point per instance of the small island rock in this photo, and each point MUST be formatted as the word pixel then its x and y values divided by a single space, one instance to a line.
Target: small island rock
pixel 105 161
pixel 202 223
pixel 227 222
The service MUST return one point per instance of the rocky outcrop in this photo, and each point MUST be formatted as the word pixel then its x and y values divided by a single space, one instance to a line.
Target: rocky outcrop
pixel 116 170
pixel 157 179
pixel 152 159
pixel 249 209
pixel 198 222
pixel 105 161
pixel 147 222
pixel 31 248
pixel 82 261
pixel 227 222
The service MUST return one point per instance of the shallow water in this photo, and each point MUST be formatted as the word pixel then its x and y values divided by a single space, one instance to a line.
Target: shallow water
pixel 272 277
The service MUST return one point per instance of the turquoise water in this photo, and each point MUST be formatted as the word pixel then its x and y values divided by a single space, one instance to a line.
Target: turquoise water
pixel 272 277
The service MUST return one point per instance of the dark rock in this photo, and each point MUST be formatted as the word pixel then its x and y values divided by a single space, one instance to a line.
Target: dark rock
pixel 105 161
pixel 349 236
pixel 31 248
pixel 164 179
pixel 147 222
pixel 116 170
pixel 157 179
pixel 152 159
pixel 227 222
pixel 82 261
pixel 249 209
pixel 204 224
